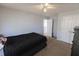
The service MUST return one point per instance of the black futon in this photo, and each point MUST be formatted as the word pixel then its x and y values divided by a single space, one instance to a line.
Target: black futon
pixel 24 45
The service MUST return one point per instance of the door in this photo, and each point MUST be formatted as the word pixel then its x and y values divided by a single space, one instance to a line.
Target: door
pixel 68 28
pixel 48 27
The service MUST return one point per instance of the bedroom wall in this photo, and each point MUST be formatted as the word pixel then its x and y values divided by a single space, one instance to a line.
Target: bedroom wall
pixel 64 25
pixel 15 22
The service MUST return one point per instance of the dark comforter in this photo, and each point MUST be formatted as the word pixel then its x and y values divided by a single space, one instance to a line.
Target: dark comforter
pixel 25 44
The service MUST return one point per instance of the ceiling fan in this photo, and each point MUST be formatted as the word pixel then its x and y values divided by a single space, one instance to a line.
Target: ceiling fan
pixel 45 6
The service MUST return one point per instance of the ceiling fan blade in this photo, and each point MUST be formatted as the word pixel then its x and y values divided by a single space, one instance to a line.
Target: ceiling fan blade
pixel 43 8
pixel 51 6
pixel 38 6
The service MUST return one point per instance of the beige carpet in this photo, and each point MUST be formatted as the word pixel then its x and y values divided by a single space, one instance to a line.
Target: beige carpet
pixel 55 48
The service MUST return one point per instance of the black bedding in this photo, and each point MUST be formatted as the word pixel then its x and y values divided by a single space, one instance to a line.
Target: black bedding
pixel 25 44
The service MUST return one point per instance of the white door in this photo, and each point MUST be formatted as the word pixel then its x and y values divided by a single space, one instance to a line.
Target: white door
pixel 48 27
pixel 68 28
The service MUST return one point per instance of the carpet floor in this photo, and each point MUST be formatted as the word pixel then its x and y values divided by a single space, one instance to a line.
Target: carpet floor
pixel 55 48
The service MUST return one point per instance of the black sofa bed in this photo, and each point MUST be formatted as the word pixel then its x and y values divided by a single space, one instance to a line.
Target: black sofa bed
pixel 24 45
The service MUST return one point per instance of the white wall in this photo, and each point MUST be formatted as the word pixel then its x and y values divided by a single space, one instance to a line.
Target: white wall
pixel 65 24
pixel 15 22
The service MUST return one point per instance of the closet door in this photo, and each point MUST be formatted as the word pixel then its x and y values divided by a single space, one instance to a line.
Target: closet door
pixel 66 28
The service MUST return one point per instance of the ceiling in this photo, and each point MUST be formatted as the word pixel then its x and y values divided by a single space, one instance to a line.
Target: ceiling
pixel 35 7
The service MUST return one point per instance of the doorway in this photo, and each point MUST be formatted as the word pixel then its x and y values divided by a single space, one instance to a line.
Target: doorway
pixel 47 27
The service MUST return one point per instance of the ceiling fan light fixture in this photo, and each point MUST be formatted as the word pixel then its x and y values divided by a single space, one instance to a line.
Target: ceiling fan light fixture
pixel 45 10
pixel 46 4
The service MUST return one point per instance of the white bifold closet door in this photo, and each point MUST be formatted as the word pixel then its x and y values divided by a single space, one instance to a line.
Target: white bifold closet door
pixel 66 24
